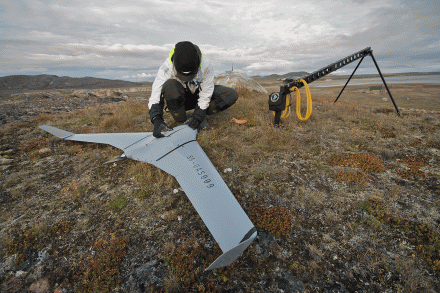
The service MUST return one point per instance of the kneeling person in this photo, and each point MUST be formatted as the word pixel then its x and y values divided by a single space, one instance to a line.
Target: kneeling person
pixel 186 81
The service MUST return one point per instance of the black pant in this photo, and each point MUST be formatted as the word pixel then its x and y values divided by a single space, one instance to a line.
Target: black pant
pixel 179 99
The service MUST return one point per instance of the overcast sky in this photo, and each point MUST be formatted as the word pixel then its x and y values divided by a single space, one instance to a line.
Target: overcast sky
pixel 130 39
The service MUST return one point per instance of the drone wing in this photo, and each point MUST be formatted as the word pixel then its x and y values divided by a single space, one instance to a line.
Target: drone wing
pixel 179 154
pixel 118 140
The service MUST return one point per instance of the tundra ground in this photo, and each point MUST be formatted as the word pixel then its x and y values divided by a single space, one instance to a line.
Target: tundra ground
pixel 347 201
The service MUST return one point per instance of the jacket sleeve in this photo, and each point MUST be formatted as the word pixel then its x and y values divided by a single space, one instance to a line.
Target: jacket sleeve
pixel 207 87
pixel 164 73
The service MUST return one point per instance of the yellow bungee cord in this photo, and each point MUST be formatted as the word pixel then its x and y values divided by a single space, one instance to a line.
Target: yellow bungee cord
pixel 286 112
pixel 298 101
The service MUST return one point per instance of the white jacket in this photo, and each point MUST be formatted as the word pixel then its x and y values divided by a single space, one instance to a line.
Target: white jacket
pixel 204 79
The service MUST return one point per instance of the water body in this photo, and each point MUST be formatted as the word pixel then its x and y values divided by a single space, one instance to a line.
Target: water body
pixel 328 81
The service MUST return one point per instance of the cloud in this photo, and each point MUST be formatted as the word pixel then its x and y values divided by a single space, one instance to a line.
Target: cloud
pixel 142 75
pixel 63 57
pixel 265 66
pixel 133 38
pixel 120 48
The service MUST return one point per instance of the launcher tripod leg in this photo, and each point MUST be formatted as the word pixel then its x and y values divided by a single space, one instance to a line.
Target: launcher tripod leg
pixel 277 118
pixel 381 76
pixel 386 86
pixel 349 79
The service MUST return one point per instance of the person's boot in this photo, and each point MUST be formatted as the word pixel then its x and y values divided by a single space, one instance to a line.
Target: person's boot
pixel 211 109
pixel 179 115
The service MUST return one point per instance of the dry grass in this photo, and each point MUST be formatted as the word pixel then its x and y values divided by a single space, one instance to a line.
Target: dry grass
pixel 310 179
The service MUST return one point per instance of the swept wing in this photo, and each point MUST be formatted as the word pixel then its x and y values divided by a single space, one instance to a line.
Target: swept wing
pixel 180 155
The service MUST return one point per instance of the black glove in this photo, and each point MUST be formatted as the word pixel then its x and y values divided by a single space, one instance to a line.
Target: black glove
pixel 197 118
pixel 158 126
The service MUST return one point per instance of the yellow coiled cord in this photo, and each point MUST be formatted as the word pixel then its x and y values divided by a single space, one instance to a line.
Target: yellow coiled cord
pixel 298 101
pixel 286 112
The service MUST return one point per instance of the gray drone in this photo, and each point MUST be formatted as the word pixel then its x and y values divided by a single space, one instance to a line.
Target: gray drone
pixel 179 154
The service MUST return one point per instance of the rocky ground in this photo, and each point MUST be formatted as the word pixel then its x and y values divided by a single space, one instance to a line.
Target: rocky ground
pixel 344 202
pixel 24 106
pixel 34 105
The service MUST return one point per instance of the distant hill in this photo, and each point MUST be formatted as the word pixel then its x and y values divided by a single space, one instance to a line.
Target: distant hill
pixel 278 76
pixel 20 83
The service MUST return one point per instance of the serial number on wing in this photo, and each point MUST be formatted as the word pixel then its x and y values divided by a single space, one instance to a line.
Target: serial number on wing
pixel 200 172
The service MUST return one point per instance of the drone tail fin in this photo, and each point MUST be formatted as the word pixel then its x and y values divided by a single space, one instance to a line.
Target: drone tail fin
pixel 232 254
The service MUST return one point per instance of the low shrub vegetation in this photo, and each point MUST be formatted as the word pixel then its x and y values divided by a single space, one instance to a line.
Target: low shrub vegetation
pixel 275 220
pixel 366 162
pixel 99 271
pixel 346 201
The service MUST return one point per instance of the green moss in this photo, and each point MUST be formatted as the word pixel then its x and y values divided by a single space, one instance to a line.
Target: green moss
pixel 86 121
pixel 143 194
pixel 421 235
pixel 80 192
pixel 119 203
pixel 373 222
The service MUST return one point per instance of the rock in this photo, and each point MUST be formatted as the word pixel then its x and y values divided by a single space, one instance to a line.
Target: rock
pixel 40 286
pixel 7 150
pixel 7 265
pixel 34 260
pixel 45 151
pixel 435 152
pixel 110 99
pixel 19 274
pixel 334 287
pixel 239 81
pixel 5 167
pixel 288 283
pixel 263 244
pixel 149 275
pixel 100 93
pixel 5 161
